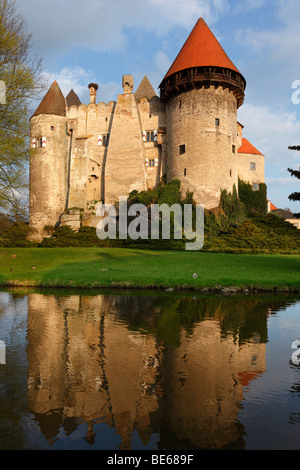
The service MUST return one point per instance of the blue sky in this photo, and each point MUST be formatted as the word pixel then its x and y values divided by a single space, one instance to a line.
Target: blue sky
pixel 101 40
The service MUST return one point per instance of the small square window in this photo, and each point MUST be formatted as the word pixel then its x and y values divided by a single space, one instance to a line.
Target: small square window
pixel 181 149
pixel 252 166
pixel 255 187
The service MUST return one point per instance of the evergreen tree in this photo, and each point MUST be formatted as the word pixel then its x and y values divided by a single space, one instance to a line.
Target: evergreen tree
pixel 20 73
pixel 295 196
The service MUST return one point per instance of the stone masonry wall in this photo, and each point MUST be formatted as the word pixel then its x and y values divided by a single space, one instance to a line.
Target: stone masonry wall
pixel 210 159
pixel 48 169
pixel 125 168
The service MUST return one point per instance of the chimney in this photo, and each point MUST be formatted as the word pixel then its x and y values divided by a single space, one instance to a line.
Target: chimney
pixel 93 92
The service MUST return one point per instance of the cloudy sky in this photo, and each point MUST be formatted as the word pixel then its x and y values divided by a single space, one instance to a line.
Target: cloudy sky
pixel 101 40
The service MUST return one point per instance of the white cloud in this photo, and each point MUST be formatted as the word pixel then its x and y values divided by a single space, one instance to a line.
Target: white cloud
pixel 248 6
pixel 272 131
pixel 77 78
pixel 162 62
pixel 102 25
pixel 278 44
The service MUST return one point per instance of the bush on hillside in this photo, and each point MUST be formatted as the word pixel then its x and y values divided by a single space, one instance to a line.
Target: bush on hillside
pixel 255 201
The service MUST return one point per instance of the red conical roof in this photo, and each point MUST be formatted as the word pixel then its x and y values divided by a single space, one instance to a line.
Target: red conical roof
pixel 201 49
pixel 53 103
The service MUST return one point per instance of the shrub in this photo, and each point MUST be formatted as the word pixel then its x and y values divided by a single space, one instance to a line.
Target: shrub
pixel 255 201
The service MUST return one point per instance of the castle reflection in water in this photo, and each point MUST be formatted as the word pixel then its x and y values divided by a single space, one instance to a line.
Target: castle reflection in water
pixel 177 367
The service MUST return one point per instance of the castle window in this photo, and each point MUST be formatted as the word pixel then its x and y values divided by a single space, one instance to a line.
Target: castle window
pixel 184 173
pixel 180 103
pixel 255 187
pixel 150 136
pixel 252 166
pixel 105 140
pixel 181 149
pixel 151 162
pixel 52 128
pixel 230 172
pixel 233 149
pixel 217 122
pixel 40 142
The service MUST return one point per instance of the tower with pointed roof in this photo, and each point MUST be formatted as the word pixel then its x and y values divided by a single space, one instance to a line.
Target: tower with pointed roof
pixel 48 160
pixel 202 91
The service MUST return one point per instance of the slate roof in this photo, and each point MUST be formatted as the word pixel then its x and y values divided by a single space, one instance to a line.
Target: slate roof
pixel 145 90
pixel 72 99
pixel 53 102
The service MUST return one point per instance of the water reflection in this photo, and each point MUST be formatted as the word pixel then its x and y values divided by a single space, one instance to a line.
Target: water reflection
pixel 174 368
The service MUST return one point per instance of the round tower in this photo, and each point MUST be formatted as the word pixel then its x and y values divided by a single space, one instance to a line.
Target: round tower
pixel 48 162
pixel 202 90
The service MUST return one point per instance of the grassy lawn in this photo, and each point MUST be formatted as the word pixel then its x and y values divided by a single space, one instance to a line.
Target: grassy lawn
pixel 107 267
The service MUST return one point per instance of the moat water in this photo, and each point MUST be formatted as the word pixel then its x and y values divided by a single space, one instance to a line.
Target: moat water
pixel 144 371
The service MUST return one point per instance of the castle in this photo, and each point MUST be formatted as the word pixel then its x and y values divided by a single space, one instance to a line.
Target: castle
pixel 84 154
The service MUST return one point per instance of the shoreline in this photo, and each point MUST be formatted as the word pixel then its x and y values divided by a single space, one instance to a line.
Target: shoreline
pixel 224 290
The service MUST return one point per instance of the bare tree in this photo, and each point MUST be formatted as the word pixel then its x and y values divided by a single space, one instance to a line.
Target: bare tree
pixel 21 74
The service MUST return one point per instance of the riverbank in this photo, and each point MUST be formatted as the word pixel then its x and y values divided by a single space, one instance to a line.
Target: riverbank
pixel 132 268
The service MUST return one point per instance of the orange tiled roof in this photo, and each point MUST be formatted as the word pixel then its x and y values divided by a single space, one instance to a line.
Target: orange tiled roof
pixel 53 103
pixel 248 148
pixel 272 207
pixel 201 49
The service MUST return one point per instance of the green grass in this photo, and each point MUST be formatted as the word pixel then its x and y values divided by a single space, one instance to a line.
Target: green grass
pixel 121 267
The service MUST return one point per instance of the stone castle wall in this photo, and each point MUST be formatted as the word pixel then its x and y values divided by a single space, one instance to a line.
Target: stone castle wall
pixel 208 162
pixel 251 168
pixel 48 170
pixel 99 152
